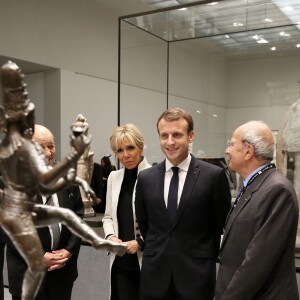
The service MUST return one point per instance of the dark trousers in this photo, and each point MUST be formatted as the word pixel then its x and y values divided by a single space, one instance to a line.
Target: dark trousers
pixel 62 291
pixel 2 246
pixel 171 294
pixel 124 284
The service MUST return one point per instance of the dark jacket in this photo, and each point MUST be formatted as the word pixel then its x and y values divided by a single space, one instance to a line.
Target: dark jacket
pixel 187 250
pixel 257 256
pixel 16 266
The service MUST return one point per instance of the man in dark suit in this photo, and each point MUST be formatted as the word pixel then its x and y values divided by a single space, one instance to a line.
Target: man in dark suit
pixel 257 252
pixel 181 239
pixel 62 261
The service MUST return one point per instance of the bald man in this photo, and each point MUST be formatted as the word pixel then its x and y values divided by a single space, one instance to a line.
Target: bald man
pixel 62 261
pixel 257 250
pixel 44 137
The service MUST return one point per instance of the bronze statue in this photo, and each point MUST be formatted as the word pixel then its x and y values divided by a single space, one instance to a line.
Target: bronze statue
pixel 25 173
pixel 85 166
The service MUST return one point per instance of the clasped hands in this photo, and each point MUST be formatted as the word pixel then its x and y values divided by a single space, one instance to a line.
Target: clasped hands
pixel 56 259
pixel 131 246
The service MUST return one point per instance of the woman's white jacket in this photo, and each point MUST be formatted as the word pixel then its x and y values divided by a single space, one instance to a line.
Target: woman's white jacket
pixel 110 220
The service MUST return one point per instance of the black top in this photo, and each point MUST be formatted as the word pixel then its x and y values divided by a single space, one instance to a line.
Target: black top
pixel 125 219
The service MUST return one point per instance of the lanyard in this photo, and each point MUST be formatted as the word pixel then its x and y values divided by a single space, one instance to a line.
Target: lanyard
pixel 243 189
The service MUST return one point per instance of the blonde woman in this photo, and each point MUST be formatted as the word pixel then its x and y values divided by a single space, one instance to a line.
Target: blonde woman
pixel 119 221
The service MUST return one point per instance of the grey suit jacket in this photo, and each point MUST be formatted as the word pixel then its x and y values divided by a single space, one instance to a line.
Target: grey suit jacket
pixel 257 253
pixel 187 250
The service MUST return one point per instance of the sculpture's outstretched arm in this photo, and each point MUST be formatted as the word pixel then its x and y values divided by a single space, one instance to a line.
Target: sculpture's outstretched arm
pixel 65 181
pixel 49 176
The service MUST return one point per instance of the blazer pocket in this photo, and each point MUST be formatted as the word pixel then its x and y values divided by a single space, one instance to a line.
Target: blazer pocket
pixel 202 254
pixel 149 252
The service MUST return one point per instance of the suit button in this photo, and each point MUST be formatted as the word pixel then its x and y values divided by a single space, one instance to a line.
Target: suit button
pixel 138 235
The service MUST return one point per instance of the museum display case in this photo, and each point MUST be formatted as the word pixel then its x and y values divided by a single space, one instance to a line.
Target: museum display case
pixel 226 62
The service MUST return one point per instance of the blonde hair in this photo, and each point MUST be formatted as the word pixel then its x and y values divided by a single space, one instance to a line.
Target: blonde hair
pixel 129 132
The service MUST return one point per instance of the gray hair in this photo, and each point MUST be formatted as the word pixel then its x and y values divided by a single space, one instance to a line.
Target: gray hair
pixel 259 135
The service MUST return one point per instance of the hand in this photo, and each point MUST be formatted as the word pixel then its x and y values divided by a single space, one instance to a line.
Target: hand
pixel 56 259
pixel 80 142
pixel 117 247
pixel 115 239
pixel 132 246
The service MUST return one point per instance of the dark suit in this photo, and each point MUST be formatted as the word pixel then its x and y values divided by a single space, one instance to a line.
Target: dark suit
pixel 257 254
pixel 187 250
pixel 3 240
pixel 97 186
pixel 58 283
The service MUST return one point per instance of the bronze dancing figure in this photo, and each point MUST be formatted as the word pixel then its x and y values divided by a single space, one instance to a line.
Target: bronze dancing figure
pixel 25 174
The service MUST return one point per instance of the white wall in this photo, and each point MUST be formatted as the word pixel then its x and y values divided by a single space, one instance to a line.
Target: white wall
pixel 261 90
pixel 201 76
pixel 80 40
pixel 97 101
pixel 76 37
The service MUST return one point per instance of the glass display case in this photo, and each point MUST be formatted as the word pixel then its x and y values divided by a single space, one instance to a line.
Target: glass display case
pixel 226 62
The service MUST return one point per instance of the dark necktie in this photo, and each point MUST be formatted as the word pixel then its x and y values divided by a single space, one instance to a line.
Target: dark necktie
pixel 173 193
pixel 239 195
pixel 54 227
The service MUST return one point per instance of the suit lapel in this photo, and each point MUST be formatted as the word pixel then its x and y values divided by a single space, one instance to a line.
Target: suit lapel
pixel 245 199
pixel 190 181
pixel 160 183
pixel 39 199
pixel 119 176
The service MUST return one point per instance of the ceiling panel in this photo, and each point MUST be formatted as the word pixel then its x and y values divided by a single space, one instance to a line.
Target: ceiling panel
pixel 264 27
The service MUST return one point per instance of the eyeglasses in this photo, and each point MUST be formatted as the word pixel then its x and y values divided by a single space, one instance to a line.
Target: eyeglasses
pixel 232 144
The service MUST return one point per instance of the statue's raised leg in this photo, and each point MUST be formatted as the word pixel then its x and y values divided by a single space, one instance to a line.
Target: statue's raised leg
pixel 44 215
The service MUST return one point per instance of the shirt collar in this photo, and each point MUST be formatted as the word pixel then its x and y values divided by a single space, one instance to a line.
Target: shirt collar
pixel 184 165
pixel 245 182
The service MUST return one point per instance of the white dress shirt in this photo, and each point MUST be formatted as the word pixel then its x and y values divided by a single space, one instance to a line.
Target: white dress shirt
pixel 56 203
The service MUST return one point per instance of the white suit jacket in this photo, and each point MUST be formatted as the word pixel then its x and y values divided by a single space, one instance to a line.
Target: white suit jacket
pixel 110 220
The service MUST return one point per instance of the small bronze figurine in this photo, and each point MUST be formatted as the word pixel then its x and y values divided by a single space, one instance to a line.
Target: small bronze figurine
pixel 25 174
pixel 85 165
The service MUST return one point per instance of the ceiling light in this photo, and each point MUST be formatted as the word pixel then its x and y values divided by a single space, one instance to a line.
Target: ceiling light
pixel 237 24
pixel 298 45
pixel 184 8
pixel 273 48
pixel 288 8
pixel 257 37
pixel 199 111
pixel 215 115
pixel 268 20
pixel 262 41
pixel 213 3
pixel 227 36
pixel 282 33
